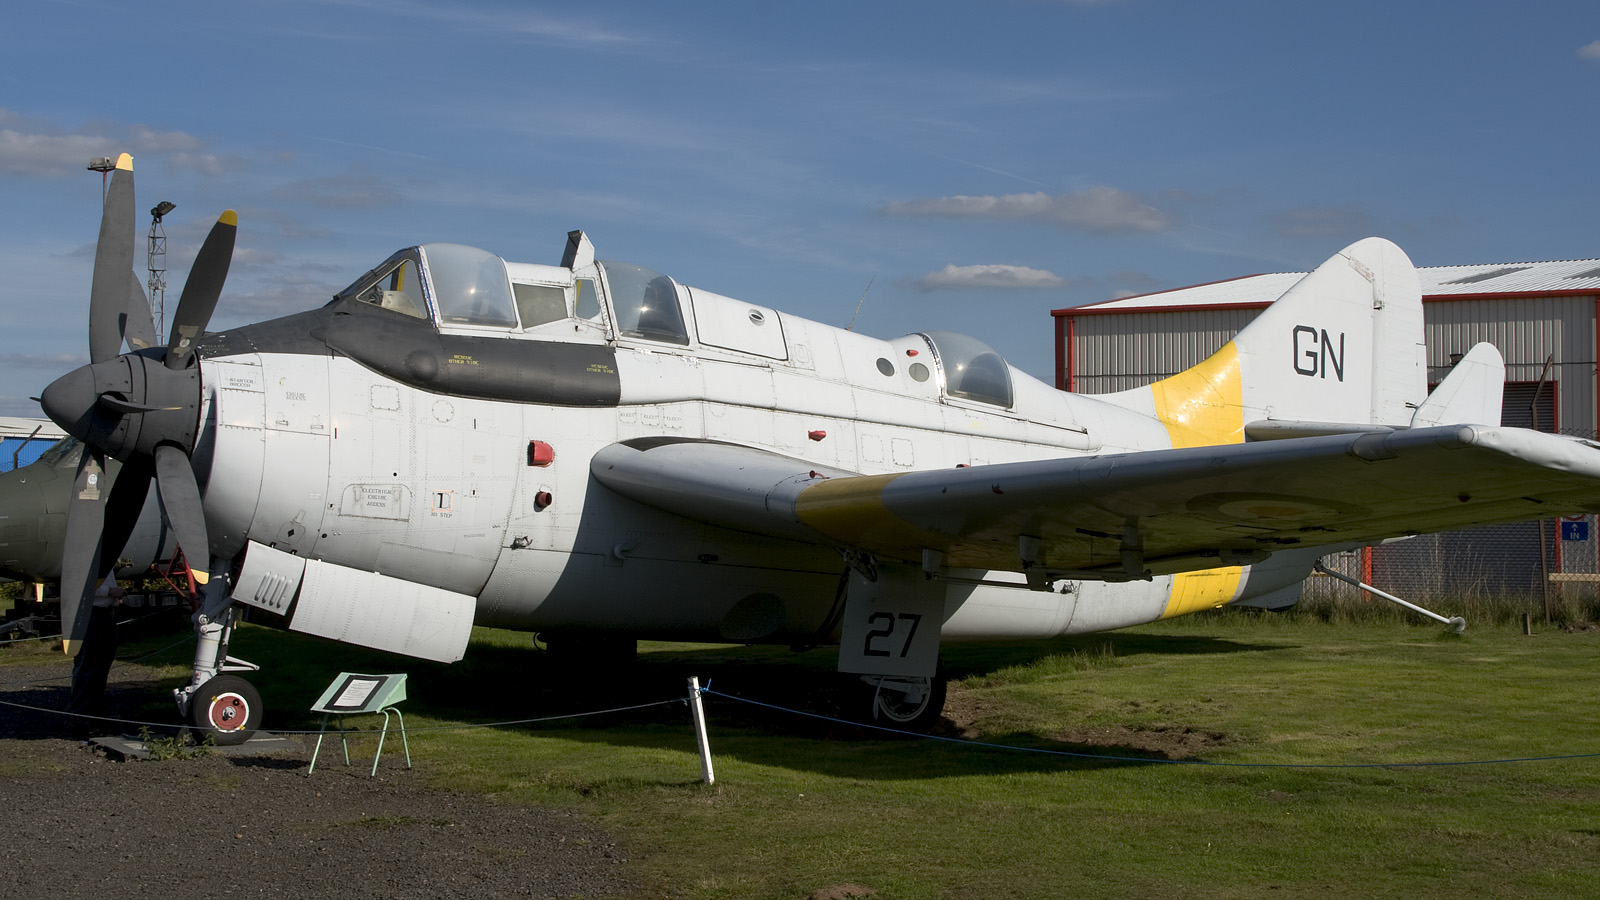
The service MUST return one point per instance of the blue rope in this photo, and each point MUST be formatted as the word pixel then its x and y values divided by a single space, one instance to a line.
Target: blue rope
pixel 460 727
pixel 1144 759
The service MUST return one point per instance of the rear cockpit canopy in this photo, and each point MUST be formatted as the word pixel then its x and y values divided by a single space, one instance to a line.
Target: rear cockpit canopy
pixel 646 303
pixel 972 369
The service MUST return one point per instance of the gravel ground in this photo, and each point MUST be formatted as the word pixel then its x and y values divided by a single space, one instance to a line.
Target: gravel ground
pixel 79 822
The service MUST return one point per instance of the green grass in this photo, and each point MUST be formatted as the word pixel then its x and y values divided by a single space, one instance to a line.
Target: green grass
pixel 801 805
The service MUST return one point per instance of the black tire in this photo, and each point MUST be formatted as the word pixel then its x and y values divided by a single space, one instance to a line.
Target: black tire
pixel 226 709
pixel 889 709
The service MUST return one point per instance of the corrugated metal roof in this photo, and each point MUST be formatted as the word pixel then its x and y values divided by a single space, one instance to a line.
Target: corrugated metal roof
pixel 1566 276
pixel 13 426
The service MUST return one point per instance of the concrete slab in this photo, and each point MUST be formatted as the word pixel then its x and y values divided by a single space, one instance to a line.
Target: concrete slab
pixel 125 747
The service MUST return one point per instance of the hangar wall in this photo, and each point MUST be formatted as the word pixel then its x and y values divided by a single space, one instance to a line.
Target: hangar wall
pixel 1543 317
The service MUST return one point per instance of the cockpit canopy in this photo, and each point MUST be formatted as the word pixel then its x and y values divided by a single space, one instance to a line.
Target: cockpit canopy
pixel 972 369
pixel 468 291
pixel 468 286
pixel 646 302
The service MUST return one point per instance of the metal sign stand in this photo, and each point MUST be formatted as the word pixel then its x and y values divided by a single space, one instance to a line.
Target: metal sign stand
pixel 353 694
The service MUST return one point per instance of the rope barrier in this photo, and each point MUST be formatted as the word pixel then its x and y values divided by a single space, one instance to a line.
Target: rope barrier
pixel 464 726
pixel 1143 759
pixel 963 742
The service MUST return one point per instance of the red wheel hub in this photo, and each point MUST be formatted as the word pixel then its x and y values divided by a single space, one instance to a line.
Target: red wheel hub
pixel 229 712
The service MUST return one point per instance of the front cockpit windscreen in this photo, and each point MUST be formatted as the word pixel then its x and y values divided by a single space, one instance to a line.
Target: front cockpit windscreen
pixel 646 303
pixel 65 452
pixel 972 370
pixel 470 286
pixel 395 285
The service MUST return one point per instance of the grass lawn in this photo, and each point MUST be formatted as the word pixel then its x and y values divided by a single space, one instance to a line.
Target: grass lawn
pixel 1285 709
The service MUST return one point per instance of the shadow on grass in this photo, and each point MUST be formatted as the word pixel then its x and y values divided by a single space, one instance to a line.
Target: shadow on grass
pixel 505 679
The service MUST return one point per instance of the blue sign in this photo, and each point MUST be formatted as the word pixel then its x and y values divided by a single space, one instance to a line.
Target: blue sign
pixel 1574 531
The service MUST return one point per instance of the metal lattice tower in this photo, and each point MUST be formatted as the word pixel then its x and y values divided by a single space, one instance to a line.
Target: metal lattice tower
pixel 158 270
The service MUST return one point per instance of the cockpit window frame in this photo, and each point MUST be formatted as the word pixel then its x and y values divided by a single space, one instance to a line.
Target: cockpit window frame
pixel 361 290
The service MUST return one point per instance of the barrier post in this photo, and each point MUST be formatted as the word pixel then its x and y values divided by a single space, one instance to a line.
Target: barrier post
pixel 698 712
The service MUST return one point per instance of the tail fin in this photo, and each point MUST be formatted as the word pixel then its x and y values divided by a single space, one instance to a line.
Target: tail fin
pixel 1342 350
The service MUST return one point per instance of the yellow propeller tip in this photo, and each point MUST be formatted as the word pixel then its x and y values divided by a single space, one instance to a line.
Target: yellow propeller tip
pixel 125 162
pixel 199 576
pixel 67 646
pixel 229 217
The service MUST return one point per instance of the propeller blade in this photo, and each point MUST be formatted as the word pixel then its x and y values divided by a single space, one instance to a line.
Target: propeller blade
pixel 113 266
pixel 119 405
pixel 123 507
pixel 201 290
pixel 138 326
pixel 181 496
pixel 80 555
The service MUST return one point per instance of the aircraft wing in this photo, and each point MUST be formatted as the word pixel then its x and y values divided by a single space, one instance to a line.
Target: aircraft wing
pixel 1124 515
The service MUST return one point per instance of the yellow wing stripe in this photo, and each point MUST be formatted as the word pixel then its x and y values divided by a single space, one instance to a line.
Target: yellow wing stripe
pixel 1209 589
pixel 1203 406
pixel 851 510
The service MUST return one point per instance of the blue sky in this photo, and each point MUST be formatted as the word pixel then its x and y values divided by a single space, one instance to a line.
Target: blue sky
pixel 979 164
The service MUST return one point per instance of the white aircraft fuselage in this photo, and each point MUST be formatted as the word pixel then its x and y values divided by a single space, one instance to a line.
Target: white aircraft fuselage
pixel 459 455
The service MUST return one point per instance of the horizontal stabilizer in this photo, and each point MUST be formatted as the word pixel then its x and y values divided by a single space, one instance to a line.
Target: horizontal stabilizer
pixel 1470 395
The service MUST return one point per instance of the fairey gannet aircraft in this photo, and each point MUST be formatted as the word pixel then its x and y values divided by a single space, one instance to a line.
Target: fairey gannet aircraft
pixel 596 452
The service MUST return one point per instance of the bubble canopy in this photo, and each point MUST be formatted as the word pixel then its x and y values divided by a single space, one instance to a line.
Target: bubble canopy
pixel 470 286
pixel 972 369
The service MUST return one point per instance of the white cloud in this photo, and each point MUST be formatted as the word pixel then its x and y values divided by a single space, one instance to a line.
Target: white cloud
pixel 1098 210
pixel 32 147
pixel 54 362
pixel 960 278
pixel 1590 51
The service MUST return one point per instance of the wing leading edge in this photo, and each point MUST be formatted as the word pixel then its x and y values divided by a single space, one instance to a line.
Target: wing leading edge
pixel 1127 515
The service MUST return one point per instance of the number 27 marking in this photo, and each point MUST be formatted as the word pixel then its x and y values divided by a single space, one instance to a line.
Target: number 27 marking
pixel 885 623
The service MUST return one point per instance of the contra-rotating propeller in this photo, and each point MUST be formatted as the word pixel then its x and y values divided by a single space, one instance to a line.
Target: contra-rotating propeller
pixel 141 407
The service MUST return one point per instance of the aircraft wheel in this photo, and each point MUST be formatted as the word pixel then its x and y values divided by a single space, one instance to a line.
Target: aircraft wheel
pixel 907 704
pixel 226 709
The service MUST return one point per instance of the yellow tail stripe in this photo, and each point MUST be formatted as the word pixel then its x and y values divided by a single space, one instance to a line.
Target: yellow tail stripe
pixel 1208 589
pixel 1203 406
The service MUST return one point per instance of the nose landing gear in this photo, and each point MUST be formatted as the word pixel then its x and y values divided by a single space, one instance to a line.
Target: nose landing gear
pixel 221 707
